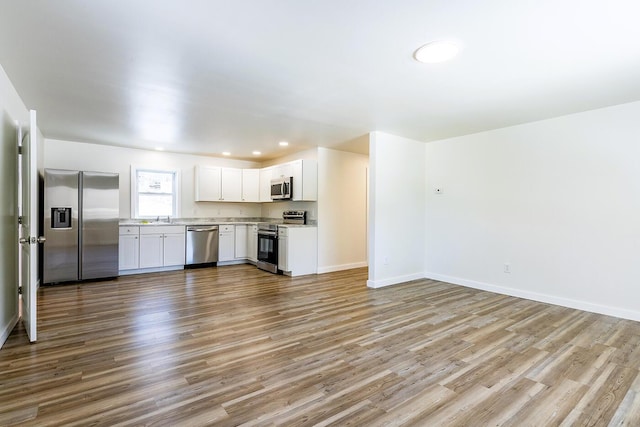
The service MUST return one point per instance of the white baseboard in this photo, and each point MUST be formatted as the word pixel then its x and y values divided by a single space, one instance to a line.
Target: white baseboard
pixel 149 270
pixel 6 331
pixel 535 296
pixel 394 280
pixel 341 267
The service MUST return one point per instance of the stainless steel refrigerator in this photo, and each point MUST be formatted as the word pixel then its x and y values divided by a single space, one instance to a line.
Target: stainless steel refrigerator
pixel 80 221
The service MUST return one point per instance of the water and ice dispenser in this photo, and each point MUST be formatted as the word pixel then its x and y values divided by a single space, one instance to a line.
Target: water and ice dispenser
pixel 60 217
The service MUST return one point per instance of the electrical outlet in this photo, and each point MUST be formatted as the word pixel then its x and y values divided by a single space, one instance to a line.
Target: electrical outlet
pixel 507 268
pixel 385 261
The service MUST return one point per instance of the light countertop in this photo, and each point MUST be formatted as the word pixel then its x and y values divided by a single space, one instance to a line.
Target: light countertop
pixel 209 221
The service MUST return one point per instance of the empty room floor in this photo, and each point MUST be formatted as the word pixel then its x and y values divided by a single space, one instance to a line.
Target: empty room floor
pixel 238 346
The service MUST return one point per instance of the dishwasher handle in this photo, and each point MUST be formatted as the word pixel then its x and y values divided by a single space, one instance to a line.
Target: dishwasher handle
pixel 199 229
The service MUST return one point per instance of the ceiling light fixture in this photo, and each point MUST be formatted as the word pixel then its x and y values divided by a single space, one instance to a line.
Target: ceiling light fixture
pixel 283 143
pixel 159 149
pixel 226 153
pixel 256 153
pixel 436 51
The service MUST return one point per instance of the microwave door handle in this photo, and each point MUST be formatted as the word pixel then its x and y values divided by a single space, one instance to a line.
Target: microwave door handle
pixel 282 188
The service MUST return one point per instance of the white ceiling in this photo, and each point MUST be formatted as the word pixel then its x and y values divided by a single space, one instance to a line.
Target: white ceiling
pixel 204 76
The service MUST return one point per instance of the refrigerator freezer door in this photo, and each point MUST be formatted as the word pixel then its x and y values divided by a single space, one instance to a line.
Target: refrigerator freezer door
pixel 60 252
pixel 99 237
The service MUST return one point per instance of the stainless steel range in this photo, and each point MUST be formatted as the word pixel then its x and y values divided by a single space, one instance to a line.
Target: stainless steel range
pixel 268 247
pixel 268 239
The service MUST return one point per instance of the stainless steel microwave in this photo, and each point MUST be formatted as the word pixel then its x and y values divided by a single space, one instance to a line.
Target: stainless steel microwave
pixel 281 188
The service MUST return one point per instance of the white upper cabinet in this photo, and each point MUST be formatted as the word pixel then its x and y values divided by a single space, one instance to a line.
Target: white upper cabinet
pixel 265 184
pixel 250 185
pixel 305 180
pixel 208 184
pixel 231 185
pixel 217 184
pixel 282 170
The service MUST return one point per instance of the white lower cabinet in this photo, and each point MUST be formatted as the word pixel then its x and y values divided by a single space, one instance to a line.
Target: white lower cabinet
pixel 226 243
pixel 238 243
pixel 162 246
pixel 252 243
pixel 129 248
pixel 298 250
pixel 151 250
pixel 283 249
pixel 174 249
pixel 241 250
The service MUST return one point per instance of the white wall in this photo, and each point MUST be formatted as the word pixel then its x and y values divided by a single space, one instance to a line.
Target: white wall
pixel 11 108
pixel 342 210
pixel 82 156
pixel 304 155
pixel 558 200
pixel 397 187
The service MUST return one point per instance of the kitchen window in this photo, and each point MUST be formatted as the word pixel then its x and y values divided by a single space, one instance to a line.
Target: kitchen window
pixel 154 193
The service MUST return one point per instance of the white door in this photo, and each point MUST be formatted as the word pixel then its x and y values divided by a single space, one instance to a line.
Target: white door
pixel 226 243
pixel 174 249
pixel 208 183
pixel 128 252
pixel 151 250
pixel 29 233
pixel 231 184
pixel 250 185
pixel 241 241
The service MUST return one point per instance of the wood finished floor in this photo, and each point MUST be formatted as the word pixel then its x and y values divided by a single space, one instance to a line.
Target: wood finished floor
pixel 238 346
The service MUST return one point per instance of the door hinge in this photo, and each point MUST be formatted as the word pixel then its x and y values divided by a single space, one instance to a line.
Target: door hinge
pixel 19 149
pixel 20 220
pixel 19 290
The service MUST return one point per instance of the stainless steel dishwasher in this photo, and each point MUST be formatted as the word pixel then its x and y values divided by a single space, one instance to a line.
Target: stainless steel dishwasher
pixel 202 244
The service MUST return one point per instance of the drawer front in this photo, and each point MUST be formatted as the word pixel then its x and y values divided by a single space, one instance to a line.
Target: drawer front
pixel 129 230
pixel 162 229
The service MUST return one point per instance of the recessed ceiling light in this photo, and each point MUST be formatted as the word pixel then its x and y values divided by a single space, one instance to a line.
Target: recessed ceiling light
pixel 436 51
pixel 256 153
pixel 283 143
pixel 226 153
pixel 159 149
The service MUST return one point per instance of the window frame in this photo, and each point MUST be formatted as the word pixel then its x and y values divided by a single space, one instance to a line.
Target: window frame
pixel 134 191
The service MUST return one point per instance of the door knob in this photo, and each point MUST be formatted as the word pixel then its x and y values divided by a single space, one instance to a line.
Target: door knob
pixel 24 240
pixel 42 239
